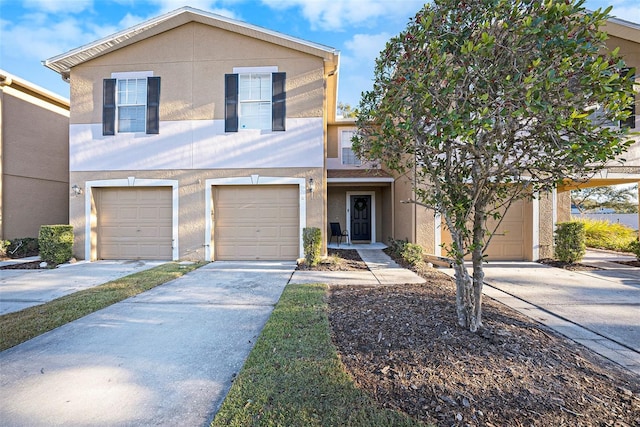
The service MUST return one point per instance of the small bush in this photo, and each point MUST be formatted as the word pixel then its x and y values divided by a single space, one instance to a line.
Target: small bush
pixel 23 247
pixel 607 235
pixel 56 243
pixel 634 248
pixel 570 241
pixel 413 254
pixel 4 244
pixel 397 246
pixel 312 241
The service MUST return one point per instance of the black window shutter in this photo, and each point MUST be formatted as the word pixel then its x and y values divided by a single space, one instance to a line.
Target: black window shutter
pixel 279 105
pixel 109 107
pixel 153 105
pixel 630 122
pixel 231 103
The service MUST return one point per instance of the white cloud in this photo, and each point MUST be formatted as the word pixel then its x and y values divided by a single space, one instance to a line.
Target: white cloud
pixel 338 15
pixel 628 13
pixel 166 6
pixel 57 6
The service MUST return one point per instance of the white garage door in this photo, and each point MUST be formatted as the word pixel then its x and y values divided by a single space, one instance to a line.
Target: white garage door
pixel 510 239
pixel 134 223
pixel 256 222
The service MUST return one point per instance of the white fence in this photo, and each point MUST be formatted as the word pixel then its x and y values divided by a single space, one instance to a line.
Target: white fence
pixel 630 220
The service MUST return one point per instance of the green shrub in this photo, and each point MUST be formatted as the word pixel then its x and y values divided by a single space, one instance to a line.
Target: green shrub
pixel 413 254
pixel 570 241
pixel 4 244
pixel 397 246
pixel 312 241
pixel 607 235
pixel 634 248
pixel 23 247
pixel 56 243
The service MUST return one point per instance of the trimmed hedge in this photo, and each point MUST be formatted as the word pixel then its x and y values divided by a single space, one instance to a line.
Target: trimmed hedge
pixel 312 241
pixel 570 240
pixel 56 243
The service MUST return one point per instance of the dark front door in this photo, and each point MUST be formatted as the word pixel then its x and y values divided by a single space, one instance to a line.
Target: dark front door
pixel 361 217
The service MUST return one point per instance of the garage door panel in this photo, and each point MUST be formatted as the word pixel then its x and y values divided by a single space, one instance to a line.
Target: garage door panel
pixel 256 222
pixel 134 223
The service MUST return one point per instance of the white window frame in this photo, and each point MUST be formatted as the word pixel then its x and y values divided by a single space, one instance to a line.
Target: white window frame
pixel 133 75
pixel 347 145
pixel 249 71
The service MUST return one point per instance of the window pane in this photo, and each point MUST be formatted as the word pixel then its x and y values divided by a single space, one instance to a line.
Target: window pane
pixel 131 119
pixel 255 115
pixel 349 157
pixel 254 87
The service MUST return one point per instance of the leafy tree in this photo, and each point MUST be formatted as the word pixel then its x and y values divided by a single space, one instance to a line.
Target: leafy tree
pixel 346 111
pixel 620 199
pixel 485 102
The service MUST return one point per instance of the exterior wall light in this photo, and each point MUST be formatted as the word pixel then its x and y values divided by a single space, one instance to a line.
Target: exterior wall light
pixel 77 191
pixel 312 185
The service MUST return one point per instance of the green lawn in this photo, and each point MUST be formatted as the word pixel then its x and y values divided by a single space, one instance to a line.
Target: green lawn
pixel 23 325
pixel 293 376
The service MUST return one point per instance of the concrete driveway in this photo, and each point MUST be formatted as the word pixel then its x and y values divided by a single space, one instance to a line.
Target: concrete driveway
pixel 165 357
pixel 600 309
pixel 20 289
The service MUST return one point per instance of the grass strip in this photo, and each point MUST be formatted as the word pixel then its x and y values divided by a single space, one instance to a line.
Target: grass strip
pixel 293 376
pixel 21 326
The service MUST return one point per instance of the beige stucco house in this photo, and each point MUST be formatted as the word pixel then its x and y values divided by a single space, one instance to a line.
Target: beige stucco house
pixel 34 158
pixel 195 136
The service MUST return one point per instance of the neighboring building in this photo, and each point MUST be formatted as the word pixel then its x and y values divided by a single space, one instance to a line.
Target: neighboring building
pixel 195 136
pixel 34 158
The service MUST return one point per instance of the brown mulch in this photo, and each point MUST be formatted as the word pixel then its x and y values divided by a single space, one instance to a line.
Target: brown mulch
pixel 402 345
pixel 338 260
pixel 573 266
pixel 32 265
pixel 634 263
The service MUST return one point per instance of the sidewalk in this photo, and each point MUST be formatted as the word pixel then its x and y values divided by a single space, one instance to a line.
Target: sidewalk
pixel 382 271
pixel 599 309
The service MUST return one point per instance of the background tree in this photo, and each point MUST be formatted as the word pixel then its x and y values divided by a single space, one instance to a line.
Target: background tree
pixel 622 199
pixel 345 110
pixel 485 102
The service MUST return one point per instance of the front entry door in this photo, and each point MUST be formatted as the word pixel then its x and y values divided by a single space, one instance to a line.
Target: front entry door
pixel 361 217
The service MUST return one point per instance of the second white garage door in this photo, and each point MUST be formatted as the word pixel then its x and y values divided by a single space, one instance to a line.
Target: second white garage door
pixel 256 222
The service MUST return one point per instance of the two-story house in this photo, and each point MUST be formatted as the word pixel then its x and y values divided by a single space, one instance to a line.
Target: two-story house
pixel 195 136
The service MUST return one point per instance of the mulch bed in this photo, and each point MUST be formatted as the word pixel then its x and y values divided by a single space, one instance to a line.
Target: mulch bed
pixel 634 263
pixel 403 346
pixel 32 265
pixel 338 260
pixel 573 266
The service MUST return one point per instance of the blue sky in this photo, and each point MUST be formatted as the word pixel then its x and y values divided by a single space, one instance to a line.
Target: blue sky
pixel 34 30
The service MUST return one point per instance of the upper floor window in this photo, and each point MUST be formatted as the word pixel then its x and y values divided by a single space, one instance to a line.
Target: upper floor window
pixel 255 98
pixel 131 103
pixel 347 154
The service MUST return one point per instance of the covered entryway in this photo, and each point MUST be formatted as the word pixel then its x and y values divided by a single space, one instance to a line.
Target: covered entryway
pixel 256 222
pixel 134 223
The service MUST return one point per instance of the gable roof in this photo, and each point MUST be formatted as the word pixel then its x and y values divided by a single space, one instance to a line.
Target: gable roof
pixel 63 63
pixel 9 80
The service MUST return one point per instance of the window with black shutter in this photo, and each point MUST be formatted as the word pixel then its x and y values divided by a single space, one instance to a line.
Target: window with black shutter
pixel 109 107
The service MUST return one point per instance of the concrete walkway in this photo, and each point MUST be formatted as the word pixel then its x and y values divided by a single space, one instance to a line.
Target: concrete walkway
pixel 382 271
pixel 599 309
pixel 20 289
pixel 165 357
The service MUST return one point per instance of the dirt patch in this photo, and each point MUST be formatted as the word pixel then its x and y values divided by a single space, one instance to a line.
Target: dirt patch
pixel 338 260
pixel 32 265
pixel 573 266
pixel 402 345
pixel 634 263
